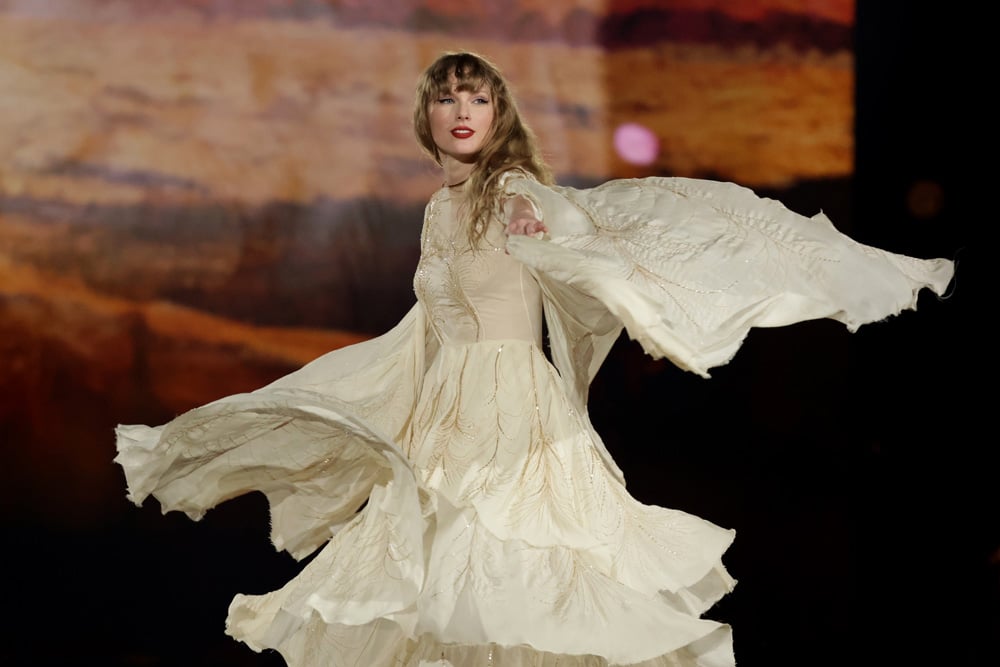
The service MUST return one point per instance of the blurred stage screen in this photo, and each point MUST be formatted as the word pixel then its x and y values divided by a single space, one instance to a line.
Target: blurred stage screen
pixel 199 196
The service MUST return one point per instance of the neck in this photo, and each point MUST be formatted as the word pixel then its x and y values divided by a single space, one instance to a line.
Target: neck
pixel 455 172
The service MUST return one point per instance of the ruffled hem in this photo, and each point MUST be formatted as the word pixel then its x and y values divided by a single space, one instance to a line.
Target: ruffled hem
pixel 357 603
pixel 383 643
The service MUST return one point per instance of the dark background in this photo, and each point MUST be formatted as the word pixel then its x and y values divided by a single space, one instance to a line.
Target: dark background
pixel 854 467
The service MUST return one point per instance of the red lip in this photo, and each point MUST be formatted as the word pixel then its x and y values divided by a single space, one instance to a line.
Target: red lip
pixel 462 132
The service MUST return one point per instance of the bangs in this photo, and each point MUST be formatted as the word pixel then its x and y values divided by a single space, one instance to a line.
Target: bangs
pixel 470 74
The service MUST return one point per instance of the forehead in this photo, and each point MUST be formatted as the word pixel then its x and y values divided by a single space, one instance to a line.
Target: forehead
pixel 463 84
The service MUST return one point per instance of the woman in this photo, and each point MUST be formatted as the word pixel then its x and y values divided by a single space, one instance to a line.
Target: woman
pixel 495 528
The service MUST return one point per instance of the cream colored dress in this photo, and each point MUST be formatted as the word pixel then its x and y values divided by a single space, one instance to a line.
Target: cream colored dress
pixel 465 511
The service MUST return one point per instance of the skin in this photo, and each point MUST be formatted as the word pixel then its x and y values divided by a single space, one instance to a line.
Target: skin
pixel 523 220
pixel 450 113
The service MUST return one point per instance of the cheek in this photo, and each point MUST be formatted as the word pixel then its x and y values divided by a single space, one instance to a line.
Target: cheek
pixel 486 119
pixel 434 118
pixel 490 124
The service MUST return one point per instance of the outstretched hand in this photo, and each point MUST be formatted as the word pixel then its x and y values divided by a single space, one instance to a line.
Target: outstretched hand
pixel 526 226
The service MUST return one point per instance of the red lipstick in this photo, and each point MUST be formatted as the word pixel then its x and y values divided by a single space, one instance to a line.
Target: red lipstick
pixel 462 132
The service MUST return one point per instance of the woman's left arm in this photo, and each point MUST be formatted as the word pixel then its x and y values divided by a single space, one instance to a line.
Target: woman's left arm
pixel 522 218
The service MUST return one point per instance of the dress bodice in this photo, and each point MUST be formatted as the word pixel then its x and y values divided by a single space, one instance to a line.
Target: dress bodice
pixel 472 295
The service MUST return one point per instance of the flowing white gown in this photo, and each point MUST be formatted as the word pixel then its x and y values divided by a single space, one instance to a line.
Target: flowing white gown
pixel 465 510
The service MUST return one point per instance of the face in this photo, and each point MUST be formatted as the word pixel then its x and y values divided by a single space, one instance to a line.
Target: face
pixel 460 122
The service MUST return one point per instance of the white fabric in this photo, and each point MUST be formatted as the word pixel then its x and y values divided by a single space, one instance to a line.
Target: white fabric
pixel 688 266
pixel 496 528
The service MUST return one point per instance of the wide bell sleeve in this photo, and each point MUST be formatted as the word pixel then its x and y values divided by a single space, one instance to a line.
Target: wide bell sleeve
pixel 315 441
pixel 689 266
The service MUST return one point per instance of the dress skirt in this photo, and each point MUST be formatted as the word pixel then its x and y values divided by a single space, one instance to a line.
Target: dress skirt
pixel 505 540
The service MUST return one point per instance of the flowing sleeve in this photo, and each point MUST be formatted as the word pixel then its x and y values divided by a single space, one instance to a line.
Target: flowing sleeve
pixel 315 442
pixel 689 266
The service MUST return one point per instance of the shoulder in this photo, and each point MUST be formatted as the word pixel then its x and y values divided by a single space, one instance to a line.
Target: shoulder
pixel 517 181
pixel 513 175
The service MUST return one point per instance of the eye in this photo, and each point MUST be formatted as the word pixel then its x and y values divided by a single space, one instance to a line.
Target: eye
pixel 445 100
pixel 481 100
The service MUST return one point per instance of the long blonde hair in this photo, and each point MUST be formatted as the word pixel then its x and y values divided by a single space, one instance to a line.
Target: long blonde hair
pixel 510 145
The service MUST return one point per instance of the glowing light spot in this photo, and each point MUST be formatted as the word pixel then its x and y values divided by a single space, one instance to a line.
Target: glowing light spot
pixel 636 144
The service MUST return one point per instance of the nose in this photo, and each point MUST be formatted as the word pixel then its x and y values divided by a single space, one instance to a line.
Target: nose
pixel 462 111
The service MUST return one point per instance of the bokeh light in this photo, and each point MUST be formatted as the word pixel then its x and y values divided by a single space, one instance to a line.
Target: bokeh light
pixel 636 144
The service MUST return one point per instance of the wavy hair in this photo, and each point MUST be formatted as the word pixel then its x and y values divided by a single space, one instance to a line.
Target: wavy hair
pixel 510 145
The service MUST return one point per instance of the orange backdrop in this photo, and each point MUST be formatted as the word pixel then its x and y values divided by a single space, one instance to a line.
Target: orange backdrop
pixel 198 199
